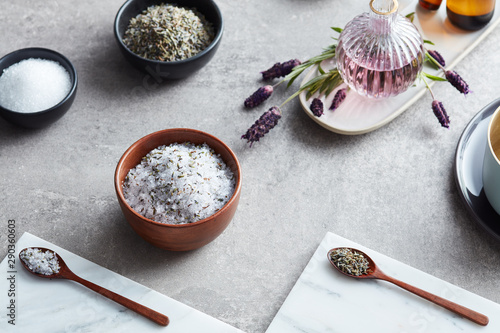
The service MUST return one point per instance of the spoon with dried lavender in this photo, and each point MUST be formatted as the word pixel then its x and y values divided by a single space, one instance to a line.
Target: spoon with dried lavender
pixel 46 263
pixel 356 264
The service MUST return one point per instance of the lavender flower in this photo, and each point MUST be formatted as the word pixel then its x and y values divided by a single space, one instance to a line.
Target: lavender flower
pixel 263 125
pixel 338 99
pixel 457 82
pixel 317 107
pixel 440 113
pixel 437 56
pixel 280 69
pixel 259 96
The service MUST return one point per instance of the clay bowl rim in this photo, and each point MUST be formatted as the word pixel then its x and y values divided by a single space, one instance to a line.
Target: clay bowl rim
pixel 22 55
pixel 129 150
pixel 219 31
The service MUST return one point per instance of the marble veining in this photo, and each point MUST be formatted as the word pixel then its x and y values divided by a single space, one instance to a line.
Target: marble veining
pixel 44 305
pixel 324 300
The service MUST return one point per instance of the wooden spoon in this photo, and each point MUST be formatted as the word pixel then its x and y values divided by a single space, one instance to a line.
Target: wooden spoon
pixel 66 273
pixel 375 273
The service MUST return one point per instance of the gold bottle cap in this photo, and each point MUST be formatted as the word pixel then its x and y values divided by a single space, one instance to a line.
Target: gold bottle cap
pixel 393 10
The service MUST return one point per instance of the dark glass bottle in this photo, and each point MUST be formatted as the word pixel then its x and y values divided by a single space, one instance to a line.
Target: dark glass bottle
pixel 470 14
pixel 430 4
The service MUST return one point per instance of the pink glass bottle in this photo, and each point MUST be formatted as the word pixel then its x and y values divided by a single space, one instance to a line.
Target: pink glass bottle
pixel 379 54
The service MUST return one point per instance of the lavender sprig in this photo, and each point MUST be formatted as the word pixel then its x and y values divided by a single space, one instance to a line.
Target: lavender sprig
pixel 437 56
pixel 440 113
pixel 280 69
pixel 457 82
pixel 263 125
pixel 317 107
pixel 259 96
pixel 437 107
pixel 451 76
pixel 291 70
pixel 338 99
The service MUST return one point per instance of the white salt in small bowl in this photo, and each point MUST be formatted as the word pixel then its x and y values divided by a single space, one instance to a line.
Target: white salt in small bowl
pixel 49 115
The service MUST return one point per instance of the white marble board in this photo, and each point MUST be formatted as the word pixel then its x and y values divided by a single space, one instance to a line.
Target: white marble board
pixel 323 300
pixel 44 305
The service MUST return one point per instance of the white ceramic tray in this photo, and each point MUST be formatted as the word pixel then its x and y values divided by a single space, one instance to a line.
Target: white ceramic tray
pixel 324 300
pixel 358 115
pixel 43 305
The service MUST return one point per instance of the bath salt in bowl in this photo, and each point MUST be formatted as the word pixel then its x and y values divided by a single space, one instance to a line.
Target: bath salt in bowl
pixel 178 188
pixel 37 87
pixel 179 183
pixel 33 85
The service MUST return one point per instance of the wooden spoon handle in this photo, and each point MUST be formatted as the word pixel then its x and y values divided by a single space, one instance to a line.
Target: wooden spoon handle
pixel 151 314
pixel 472 315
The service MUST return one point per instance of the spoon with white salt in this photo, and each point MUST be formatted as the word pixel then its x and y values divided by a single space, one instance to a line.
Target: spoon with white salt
pixel 46 263
pixel 358 265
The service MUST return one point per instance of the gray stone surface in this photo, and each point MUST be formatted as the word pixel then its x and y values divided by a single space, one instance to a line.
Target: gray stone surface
pixel 391 190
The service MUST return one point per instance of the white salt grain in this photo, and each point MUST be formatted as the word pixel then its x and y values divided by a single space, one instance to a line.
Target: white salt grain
pixel 33 85
pixel 40 262
pixel 179 183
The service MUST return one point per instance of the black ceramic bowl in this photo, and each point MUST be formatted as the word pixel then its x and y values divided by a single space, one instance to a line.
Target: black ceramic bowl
pixel 46 117
pixel 169 69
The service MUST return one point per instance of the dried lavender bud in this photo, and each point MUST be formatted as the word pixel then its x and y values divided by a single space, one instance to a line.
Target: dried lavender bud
pixel 457 82
pixel 263 125
pixel 440 113
pixel 280 69
pixel 437 56
pixel 350 262
pixel 317 107
pixel 166 32
pixel 259 96
pixel 338 99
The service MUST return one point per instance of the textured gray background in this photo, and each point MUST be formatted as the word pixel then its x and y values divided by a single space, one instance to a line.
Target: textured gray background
pixel 391 190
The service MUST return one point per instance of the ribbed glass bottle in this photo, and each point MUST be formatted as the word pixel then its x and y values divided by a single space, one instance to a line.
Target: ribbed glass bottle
pixel 379 54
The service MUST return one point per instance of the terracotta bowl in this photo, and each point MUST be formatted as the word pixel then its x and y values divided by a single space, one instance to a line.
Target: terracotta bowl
pixel 177 237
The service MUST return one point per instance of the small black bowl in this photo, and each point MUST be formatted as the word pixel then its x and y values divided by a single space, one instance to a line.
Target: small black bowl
pixel 42 118
pixel 169 69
